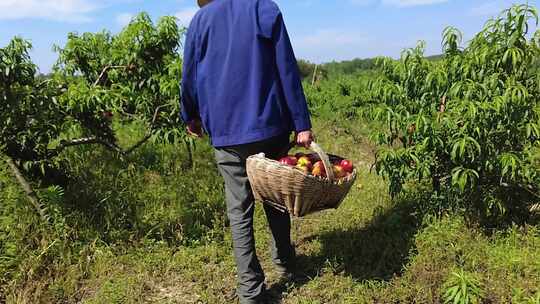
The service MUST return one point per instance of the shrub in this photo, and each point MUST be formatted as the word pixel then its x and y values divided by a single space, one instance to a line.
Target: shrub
pixel 468 124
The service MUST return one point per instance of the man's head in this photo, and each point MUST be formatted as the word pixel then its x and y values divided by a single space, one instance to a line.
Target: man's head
pixel 203 2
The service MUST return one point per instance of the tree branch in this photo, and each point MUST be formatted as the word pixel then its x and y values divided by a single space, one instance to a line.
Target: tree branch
pixel 314 75
pixel 137 145
pixel 74 142
pixel 78 142
pixel 149 134
pixel 44 82
pixel 110 146
pixel 105 70
pixel 442 105
pixel 83 141
pixel 30 194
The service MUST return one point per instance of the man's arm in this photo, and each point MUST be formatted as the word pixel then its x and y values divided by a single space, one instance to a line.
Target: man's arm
pixel 189 103
pixel 291 82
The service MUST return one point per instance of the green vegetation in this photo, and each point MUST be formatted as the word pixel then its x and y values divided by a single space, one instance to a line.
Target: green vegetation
pixel 467 124
pixel 133 75
pixel 149 226
pixel 335 69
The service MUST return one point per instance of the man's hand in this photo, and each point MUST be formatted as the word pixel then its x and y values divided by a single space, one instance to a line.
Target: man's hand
pixel 304 138
pixel 194 128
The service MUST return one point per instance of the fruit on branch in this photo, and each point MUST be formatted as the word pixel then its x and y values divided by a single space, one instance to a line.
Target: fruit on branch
pixel 107 115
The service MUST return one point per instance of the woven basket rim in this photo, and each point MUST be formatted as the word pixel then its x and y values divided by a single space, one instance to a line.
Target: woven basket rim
pixel 262 157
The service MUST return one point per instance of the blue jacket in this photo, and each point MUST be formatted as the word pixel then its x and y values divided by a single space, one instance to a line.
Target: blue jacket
pixel 240 74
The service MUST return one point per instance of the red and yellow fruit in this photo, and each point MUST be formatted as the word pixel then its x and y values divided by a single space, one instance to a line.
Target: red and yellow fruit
pixel 304 164
pixel 339 171
pixel 318 169
pixel 347 165
pixel 310 164
pixel 306 168
pixel 304 161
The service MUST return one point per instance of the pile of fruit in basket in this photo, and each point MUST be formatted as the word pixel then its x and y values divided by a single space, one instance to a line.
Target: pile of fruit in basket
pixel 312 165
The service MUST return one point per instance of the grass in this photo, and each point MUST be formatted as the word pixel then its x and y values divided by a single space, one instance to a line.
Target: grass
pixel 150 230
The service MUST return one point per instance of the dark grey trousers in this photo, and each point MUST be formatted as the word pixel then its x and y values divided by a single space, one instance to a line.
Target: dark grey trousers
pixel 231 162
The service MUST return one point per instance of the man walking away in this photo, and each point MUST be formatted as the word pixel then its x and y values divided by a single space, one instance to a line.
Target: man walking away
pixel 241 84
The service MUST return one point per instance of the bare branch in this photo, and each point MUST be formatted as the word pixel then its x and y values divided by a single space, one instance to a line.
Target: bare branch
pixel 30 194
pixel 442 105
pixel 127 114
pixel 314 75
pixel 156 115
pixel 149 134
pixel 105 70
pixel 138 144
pixel 110 146
pixel 83 141
pixel 41 84
pixel 74 142
pixel 80 141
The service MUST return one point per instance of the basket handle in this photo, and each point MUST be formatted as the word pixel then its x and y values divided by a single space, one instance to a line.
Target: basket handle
pixel 324 158
pixel 322 155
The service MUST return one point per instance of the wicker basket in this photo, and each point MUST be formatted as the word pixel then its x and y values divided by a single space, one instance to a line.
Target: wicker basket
pixel 289 189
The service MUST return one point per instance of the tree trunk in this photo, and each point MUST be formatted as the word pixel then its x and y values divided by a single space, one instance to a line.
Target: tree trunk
pixel 30 194
pixel 314 75
pixel 189 153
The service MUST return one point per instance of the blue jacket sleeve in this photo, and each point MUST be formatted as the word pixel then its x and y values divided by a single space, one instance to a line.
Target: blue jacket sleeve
pixel 290 76
pixel 189 103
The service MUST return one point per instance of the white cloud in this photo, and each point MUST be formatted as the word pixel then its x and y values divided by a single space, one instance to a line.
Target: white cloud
pixel 59 10
pixel 184 16
pixel 124 19
pixel 330 44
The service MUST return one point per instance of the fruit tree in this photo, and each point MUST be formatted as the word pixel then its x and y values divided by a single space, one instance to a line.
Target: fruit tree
pixel 469 123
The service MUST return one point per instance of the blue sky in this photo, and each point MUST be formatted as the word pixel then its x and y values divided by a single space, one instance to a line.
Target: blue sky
pixel 321 30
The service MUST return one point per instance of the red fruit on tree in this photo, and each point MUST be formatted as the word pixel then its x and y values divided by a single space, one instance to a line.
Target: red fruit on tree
pixel 107 114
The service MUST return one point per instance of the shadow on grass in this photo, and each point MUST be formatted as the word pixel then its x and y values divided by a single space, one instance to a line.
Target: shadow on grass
pixel 151 194
pixel 378 250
